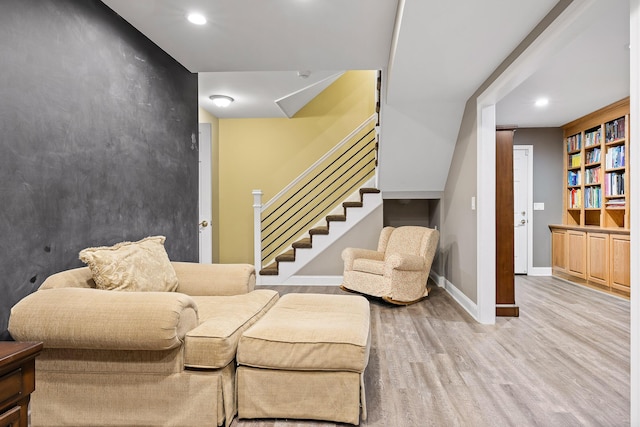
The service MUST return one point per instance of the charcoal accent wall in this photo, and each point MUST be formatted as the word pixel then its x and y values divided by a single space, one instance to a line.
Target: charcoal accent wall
pixel 97 131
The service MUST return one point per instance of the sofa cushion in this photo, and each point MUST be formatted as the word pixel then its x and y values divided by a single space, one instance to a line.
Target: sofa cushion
pixel 223 319
pixel 132 266
pixel 310 332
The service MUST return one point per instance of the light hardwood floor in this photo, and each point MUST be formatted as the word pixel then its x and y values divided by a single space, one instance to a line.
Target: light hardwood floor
pixel 563 362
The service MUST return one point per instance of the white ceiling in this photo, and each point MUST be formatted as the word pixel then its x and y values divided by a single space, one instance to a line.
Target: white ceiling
pixel 252 50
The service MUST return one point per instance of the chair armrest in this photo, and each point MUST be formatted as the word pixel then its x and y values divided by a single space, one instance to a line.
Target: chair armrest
pixel 351 254
pixel 406 262
pixel 106 320
pixel 214 279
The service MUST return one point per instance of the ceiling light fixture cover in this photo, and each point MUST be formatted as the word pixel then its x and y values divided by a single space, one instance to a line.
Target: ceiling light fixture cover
pixel 542 102
pixel 221 100
pixel 197 18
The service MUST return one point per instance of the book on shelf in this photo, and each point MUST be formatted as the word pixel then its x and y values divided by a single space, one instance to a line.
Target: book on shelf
pixel 615 157
pixel 616 204
pixel 615 129
pixel 575 160
pixel 573 178
pixel 593 197
pixel 592 156
pixel 574 142
pixel 614 184
pixel 592 137
pixel 575 198
pixel 592 175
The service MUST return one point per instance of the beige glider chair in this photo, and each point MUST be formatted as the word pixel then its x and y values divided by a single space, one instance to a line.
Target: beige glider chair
pixel 398 271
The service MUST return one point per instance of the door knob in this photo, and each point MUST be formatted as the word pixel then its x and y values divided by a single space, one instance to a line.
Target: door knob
pixel 523 221
pixel 204 224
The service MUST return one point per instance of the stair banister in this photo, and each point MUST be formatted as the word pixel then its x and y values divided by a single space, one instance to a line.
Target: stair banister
pixel 257 231
pixel 260 208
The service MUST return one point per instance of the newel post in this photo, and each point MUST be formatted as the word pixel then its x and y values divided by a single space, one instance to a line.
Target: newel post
pixel 257 232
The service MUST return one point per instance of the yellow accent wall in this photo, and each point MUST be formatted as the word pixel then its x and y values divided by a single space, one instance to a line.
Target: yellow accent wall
pixel 267 154
pixel 205 117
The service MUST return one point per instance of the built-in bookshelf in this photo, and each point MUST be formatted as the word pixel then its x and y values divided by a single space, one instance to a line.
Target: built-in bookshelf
pixel 596 153
pixel 592 245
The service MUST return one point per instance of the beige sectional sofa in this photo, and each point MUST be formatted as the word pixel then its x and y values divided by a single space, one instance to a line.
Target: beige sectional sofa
pixel 139 358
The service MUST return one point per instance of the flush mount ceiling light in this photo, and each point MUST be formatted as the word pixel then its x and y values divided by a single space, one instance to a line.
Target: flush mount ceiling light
pixel 221 100
pixel 197 18
pixel 541 102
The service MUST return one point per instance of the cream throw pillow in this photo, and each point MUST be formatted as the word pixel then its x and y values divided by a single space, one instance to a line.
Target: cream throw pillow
pixel 132 266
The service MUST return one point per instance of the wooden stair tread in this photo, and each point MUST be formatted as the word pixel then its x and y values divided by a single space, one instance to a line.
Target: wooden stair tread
pixel 270 270
pixel 369 191
pixel 336 217
pixel 302 243
pixel 319 230
pixel 352 204
pixel 288 256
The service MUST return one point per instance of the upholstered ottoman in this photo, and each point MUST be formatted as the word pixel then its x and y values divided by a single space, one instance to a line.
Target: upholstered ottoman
pixel 305 359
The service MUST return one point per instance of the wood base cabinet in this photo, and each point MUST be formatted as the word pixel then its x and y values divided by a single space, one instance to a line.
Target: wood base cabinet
pixel 592 256
pixel 620 254
pixel 597 256
pixel 17 381
pixel 576 253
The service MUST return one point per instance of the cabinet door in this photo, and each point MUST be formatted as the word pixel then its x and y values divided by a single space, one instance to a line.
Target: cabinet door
pixel 598 258
pixel 577 253
pixel 559 250
pixel 620 256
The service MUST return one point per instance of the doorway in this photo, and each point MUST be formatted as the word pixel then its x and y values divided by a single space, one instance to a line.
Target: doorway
pixel 522 205
pixel 205 233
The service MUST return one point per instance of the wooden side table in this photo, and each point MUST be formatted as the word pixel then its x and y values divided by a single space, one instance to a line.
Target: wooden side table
pixel 17 381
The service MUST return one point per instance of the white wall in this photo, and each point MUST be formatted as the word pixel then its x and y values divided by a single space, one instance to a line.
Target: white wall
pixel 416 148
pixel 364 235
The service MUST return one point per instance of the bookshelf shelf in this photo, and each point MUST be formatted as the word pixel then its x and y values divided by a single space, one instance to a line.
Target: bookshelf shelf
pixel 591 246
pixel 615 143
pixel 622 169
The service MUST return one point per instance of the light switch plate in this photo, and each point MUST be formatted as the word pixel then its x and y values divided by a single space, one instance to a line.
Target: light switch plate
pixel 538 206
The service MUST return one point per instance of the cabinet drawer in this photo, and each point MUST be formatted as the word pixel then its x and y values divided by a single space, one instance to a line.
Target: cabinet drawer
pixel 11 418
pixel 11 386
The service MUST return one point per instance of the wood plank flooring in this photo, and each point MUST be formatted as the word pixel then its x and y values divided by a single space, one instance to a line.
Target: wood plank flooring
pixel 563 362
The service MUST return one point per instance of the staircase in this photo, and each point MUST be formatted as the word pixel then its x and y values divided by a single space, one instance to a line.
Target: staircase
pixel 335 225
pixel 319 206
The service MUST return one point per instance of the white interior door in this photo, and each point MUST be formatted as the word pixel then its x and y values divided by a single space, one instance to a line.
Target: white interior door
pixel 521 208
pixel 205 235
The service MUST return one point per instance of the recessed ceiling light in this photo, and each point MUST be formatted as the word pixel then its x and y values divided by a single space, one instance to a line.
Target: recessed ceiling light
pixel 541 102
pixel 221 100
pixel 197 18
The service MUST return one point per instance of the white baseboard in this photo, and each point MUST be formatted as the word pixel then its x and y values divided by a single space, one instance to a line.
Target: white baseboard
pixel 459 297
pixel 539 271
pixel 439 280
pixel 306 281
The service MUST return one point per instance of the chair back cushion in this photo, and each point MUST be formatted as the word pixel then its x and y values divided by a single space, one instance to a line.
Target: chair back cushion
pixel 407 240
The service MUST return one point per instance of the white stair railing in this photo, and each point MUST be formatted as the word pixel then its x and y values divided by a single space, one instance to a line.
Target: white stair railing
pixel 353 169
